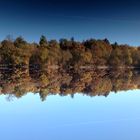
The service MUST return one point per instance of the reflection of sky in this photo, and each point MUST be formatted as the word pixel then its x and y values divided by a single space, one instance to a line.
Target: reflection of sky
pixel 81 28
pixel 115 117
pixel 116 20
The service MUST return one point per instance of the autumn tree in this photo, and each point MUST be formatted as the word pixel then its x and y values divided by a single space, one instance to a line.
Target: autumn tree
pixel 19 42
pixel 43 41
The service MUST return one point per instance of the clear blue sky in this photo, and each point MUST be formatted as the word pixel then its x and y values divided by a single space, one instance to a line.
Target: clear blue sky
pixel 116 20
pixel 116 117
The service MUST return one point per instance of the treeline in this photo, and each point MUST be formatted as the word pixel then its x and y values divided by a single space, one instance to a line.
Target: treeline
pixel 91 52
pixel 17 82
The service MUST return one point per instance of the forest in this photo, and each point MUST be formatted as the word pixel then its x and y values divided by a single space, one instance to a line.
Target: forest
pixel 67 53
pixel 92 67
pixel 67 82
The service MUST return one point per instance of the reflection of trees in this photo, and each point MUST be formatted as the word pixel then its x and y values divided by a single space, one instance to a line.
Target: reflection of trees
pixel 67 82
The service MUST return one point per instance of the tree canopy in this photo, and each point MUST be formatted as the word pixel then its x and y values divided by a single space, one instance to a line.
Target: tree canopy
pixel 68 51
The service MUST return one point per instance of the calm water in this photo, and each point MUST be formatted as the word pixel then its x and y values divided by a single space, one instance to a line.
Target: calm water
pixel 82 117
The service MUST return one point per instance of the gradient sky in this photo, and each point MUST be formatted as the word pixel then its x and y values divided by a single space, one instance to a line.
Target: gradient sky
pixel 82 19
pixel 116 117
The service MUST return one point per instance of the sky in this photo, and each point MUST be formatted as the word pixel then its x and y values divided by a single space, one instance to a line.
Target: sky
pixel 119 21
pixel 116 117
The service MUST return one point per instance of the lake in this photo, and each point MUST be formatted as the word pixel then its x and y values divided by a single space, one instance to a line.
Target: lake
pixel 80 105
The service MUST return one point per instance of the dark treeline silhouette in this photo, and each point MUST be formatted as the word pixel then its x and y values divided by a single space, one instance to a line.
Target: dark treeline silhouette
pixel 94 53
pixel 99 82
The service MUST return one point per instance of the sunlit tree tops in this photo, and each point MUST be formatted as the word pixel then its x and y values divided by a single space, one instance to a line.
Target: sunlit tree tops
pixel 69 51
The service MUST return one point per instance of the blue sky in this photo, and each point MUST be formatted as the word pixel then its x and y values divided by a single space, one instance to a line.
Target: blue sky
pixel 116 20
pixel 115 117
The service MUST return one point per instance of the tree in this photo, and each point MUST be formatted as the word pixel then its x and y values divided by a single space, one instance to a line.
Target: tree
pixel 67 44
pixel 19 42
pixel 7 51
pixel 106 41
pixel 43 41
pixel 54 43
